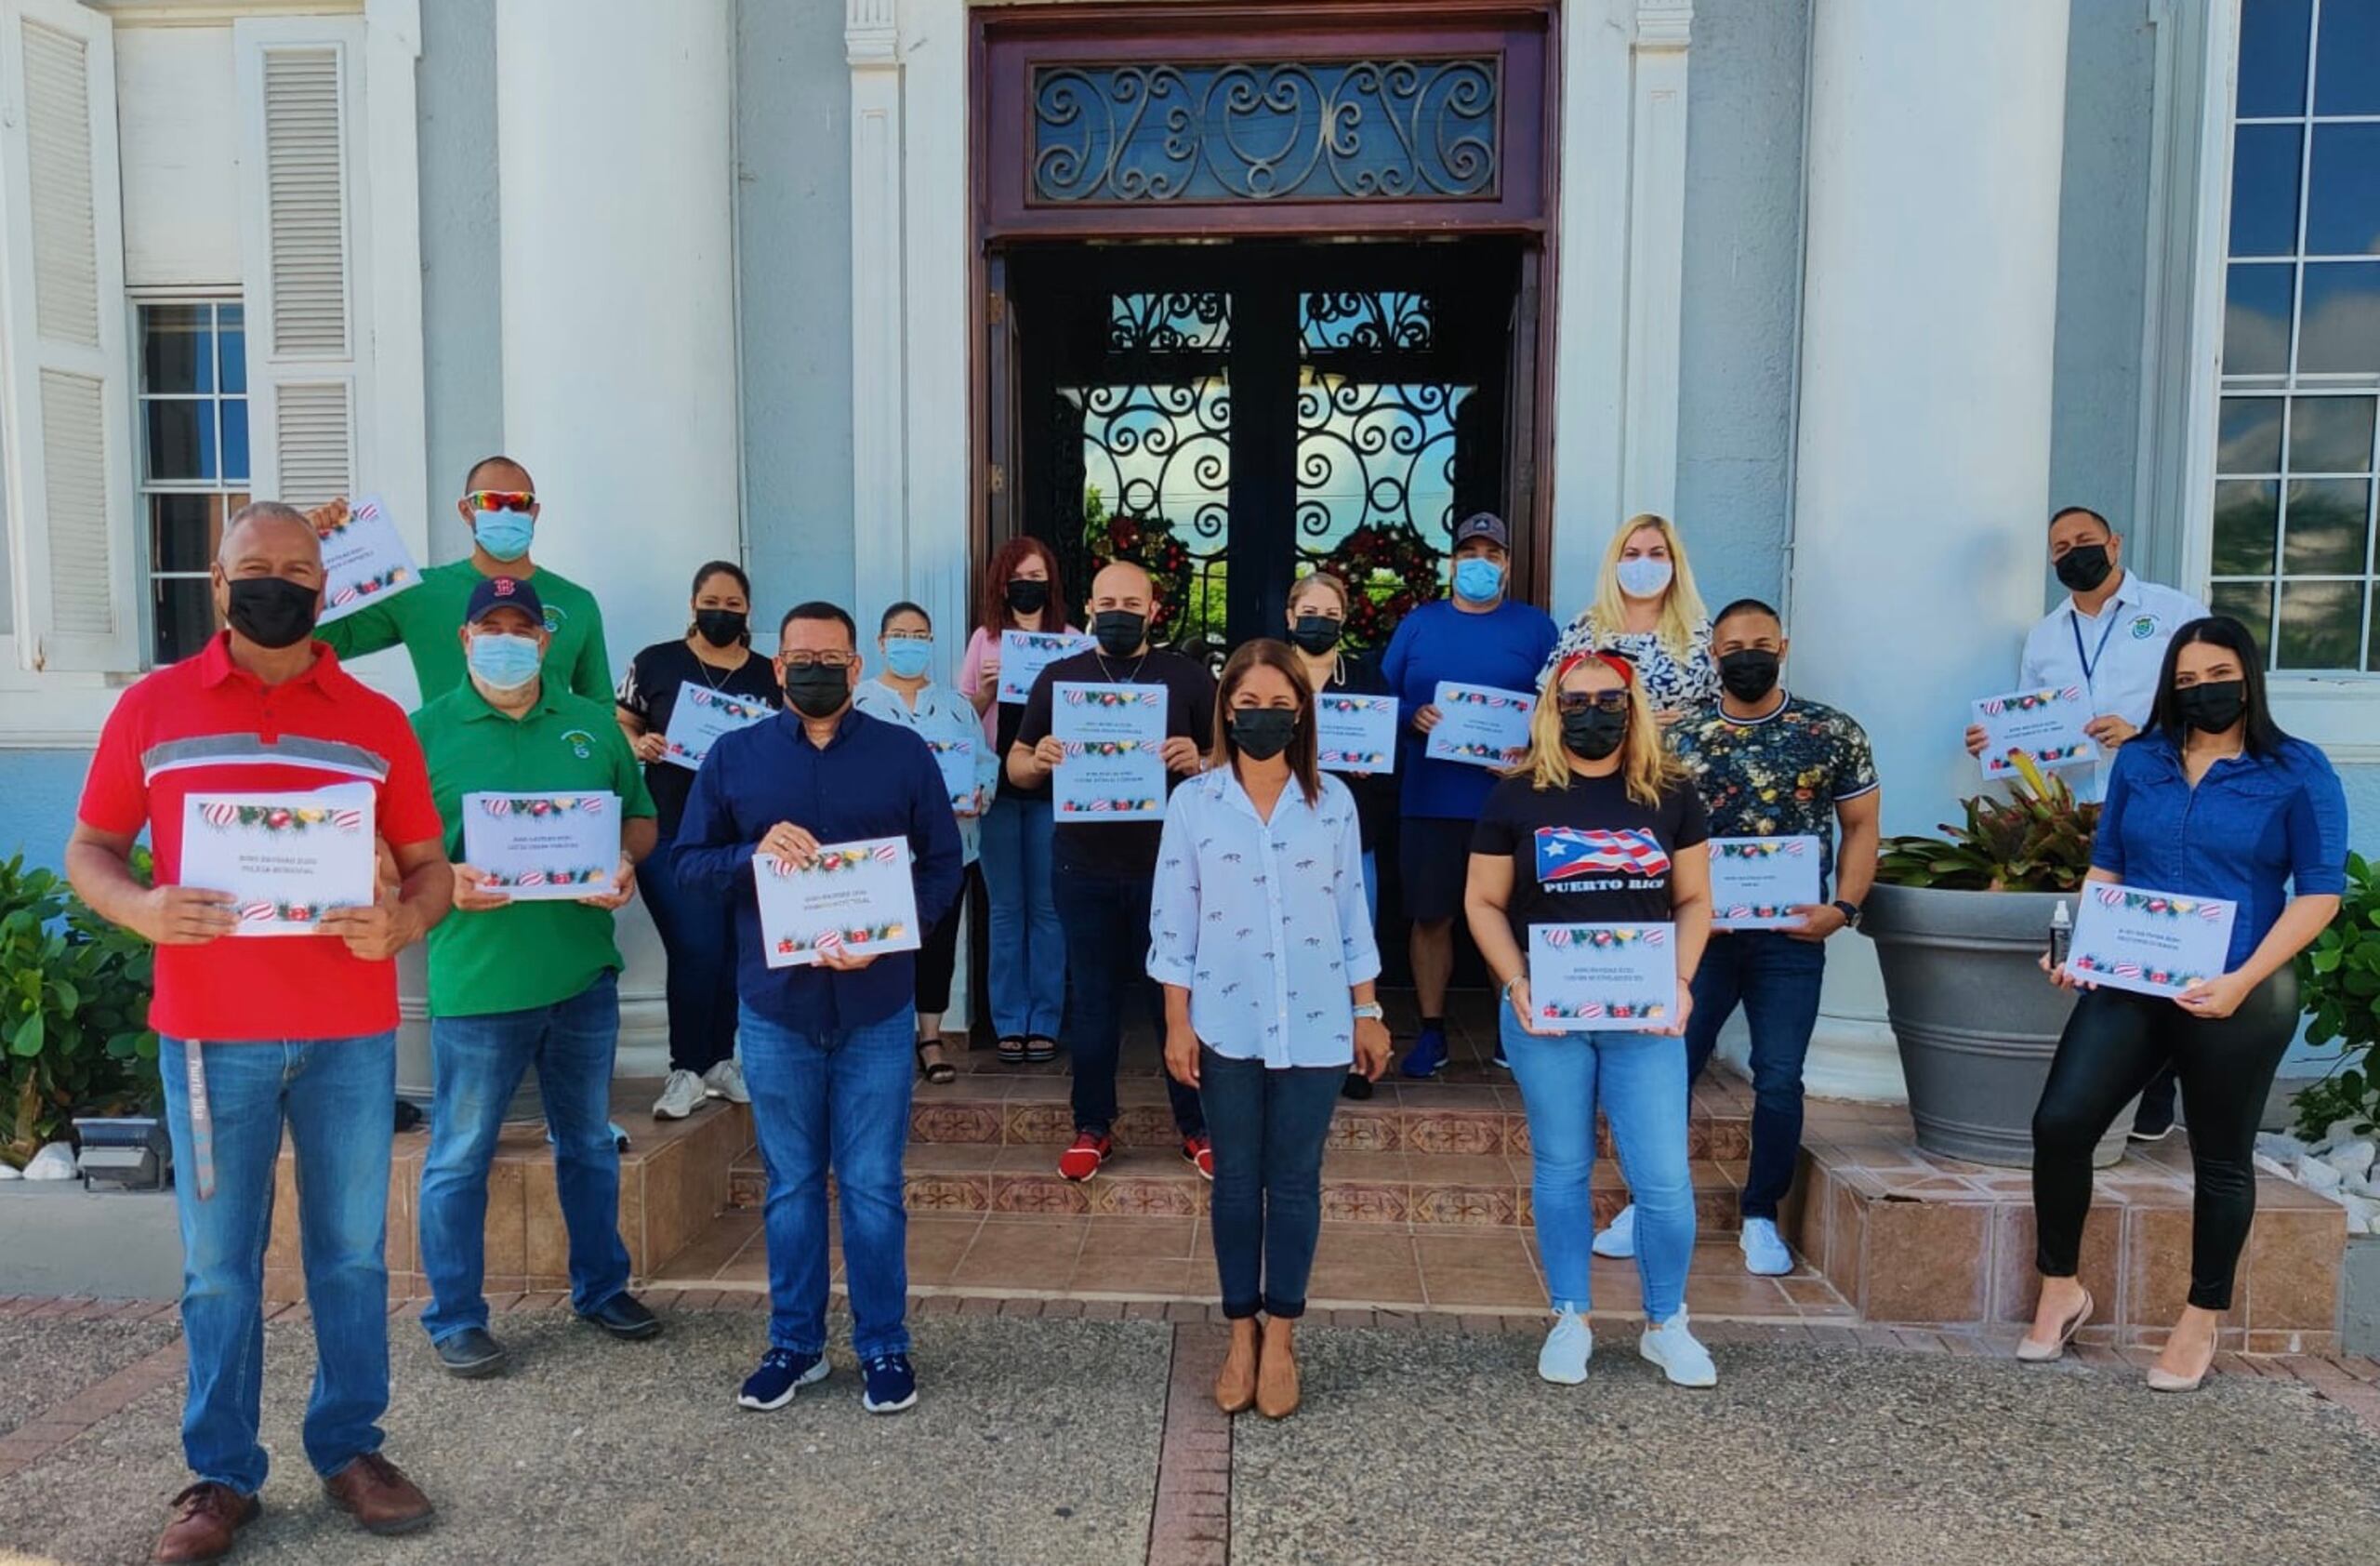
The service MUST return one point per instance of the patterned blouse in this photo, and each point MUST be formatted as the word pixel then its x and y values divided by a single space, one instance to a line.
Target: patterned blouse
pixel 941 717
pixel 1671 683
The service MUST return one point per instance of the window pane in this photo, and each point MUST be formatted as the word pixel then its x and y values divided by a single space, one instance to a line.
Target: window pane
pixel 182 531
pixel 2248 603
pixel 2343 201
pixel 2264 190
pixel 234 349
pixel 177 353
pixel 2251 439
pixel 235 440
pixel 2257 298
pixel 2272 56
pixel 2321 625
pixel 2346 70
pixel 2340 332
pixel 2330 434
pixel 184 609
pixel 2325 534
pixel 2247 517
pixel 182 439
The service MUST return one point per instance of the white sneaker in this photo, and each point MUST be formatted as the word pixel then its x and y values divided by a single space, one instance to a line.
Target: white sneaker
pixel 1683 1360
pixel 1764 1251
pixel 1568 1348
pixel 681 1097
pixel 726 1081
pixel 1618 1241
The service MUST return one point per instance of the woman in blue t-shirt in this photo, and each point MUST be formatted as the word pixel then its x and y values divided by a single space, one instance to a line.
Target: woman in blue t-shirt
pixel 2210 801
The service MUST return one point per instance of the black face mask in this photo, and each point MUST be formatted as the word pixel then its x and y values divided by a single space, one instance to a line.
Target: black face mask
pixel 271 611
pixel 2084 567
pixel 816 691
pixel 1750 673
pixel 1594 733
pixel 1119 631
pixel 1315 633
pixel 2212 707
pixel 721 628
pixel 1262 732
pixel 1027 596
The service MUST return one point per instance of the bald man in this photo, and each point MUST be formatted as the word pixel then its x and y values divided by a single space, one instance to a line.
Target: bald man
pixel 298 1032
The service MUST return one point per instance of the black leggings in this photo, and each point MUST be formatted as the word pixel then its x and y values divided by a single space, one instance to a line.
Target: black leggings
pixel 2114 1043
pixel 938 955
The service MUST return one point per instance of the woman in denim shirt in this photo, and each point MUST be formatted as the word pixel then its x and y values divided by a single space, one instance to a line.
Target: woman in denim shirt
pixel 1259 934
pixel 2214 800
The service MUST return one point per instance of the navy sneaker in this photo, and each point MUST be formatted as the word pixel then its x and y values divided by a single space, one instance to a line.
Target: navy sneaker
pixel 1428 1055
pixel 891 1385
pixel 781 1374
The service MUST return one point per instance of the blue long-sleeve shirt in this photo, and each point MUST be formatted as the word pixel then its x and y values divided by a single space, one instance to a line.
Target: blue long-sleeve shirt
pixel 2255 827
pixel 872 780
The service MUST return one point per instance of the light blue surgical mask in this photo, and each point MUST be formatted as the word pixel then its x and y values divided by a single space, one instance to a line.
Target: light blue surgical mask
pixel 1477 579
pixel 504 535
pixel 503 661
pixel 908 655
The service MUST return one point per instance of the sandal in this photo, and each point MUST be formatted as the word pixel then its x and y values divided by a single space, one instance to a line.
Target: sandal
pixel 940 1072
pixel 1012 1051
pixel 1041 1049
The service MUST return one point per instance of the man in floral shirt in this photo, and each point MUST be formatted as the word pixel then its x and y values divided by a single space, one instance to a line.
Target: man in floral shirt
pixel 1770 764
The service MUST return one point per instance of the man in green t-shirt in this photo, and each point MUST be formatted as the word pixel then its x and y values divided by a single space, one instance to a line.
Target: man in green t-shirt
pixel 500 504
pixel 528 977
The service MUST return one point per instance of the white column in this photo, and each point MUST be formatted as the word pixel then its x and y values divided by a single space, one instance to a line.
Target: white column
pixel 1929 310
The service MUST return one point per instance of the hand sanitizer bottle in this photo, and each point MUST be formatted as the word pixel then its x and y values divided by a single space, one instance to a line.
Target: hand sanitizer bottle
pixel 2062 935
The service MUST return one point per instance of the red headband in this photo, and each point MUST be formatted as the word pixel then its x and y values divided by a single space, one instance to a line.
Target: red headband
pixel 1613 661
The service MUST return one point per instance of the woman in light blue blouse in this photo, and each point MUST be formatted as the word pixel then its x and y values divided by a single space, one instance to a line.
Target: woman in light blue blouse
pixel 907 694
pixel 1259 934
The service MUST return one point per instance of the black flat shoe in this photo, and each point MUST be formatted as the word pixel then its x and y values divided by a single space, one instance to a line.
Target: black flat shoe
pixel 623 1317
pixel 937 1071
pixel 1012 1051
pixel 469 1354
pixel 1357 1085
pixel 1041 1050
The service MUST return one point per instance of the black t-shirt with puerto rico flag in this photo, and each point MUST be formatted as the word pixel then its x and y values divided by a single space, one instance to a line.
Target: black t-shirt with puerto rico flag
pixel 1587 854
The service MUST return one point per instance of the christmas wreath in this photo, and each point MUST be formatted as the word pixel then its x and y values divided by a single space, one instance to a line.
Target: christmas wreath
pixel 1390 569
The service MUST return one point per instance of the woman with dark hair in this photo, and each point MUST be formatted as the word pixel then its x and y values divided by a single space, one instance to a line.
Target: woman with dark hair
pixel 1022 592
pixel 2212 800
pixel 1259 934
pixel 699 939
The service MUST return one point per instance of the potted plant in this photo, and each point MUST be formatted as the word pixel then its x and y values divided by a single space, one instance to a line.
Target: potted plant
pixel 2339 984
pixel 1960 924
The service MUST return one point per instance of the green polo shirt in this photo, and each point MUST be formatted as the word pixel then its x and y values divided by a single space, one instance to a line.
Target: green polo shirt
pixel 425 616
pixel 531 953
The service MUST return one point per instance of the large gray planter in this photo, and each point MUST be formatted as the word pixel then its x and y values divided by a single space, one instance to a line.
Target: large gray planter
pixel 1976 1020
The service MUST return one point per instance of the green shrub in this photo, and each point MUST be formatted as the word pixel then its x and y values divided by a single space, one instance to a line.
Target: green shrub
pixel 74 1037
pixel 2037 839
pixel 2339 977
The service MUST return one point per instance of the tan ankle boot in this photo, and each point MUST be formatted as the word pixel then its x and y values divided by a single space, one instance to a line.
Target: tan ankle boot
pixel 1277 1373
pixel 1236 1383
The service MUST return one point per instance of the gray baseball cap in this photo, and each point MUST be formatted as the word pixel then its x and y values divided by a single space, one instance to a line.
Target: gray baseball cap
pixel 1482 524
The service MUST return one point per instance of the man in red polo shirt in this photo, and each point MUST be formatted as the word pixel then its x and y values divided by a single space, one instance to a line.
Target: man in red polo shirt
pixel 259 1033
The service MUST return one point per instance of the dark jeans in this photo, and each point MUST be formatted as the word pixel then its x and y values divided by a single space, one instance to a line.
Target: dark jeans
pixel 699 934
pixel 1107 918
pixel 1266 1208
pixel 1776 979
pixel 2114 1041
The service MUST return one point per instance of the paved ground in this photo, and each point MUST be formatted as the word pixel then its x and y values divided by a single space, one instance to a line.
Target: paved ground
pixel 1055 1441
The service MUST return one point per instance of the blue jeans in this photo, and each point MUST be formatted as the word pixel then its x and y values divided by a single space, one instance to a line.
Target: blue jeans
pixel 338 1096
pixel 1777 980
pixel 838 1099
pixel 1640 1080
pixel 1266 1207
pixel 1028 955
pixel 698 935
pixel 1107 952
pixel 477 1064
pixel 1371 888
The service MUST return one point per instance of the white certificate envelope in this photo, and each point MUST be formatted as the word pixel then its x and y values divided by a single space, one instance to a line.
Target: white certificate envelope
pixel 1025 653
pixel 1115 740
pixel 1355 733
pixel 700 715
pixel 287 859
pixel 1480 725
pixel 1588 978
pixel 956 759
pixel 542 847
pixel 2158 943
pixel 364 560
pixel 854 899
pixel 2046 725
pixel 1755 879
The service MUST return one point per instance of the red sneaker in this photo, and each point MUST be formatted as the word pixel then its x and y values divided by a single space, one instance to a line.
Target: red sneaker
pixel 1199 1152
pixel 1083 1159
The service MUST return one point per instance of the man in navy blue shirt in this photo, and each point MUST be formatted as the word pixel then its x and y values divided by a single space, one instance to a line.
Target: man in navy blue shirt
pixel 826 1047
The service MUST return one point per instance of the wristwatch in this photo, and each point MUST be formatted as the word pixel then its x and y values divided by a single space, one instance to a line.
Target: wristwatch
pixel 1850 913
pixel 1369 1013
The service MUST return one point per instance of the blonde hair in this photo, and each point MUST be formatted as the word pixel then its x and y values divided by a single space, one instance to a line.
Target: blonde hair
pixel 1682 608
pixel 1329 582
pixel 1645 764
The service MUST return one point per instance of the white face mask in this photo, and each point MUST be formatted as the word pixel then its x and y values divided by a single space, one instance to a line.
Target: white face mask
pixel 1644 576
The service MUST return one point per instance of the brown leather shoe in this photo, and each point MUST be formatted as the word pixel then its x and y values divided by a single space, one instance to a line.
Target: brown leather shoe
pixel 207 1516
pixel 1236 1383
pixel 381 1498
pixel 1276 1372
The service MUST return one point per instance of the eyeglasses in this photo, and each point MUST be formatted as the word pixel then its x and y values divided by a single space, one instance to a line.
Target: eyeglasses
pixel 1591 701
pixel 818 660
pixel 500 499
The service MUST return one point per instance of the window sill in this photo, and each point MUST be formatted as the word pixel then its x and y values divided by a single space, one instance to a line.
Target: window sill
pixel 2339 712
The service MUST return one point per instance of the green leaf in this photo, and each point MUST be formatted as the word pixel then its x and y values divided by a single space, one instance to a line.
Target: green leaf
pixel 27 1040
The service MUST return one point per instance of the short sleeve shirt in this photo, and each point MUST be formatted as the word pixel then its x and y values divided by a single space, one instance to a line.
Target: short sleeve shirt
pixel 1125 848
pixel 2115 655
pixel 423 620
pixel 1778 776
pixel 206 726
pixel 650 691
pixel 1587 854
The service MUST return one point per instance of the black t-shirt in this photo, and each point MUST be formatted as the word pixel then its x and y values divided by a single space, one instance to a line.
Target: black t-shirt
pixel 1128 847
pixel 1588 854
pixel 650 691
pixel 1007 718
pixel 1375 796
